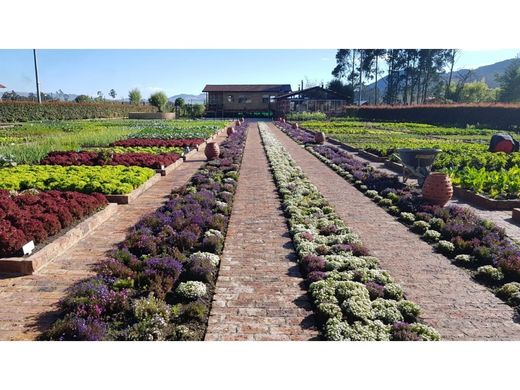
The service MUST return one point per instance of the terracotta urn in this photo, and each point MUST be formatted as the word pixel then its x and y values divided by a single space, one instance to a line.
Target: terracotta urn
pixel 237 123
pixel 437 188
pixel 295 125
pixel 212 150
pixel 320 138
pixel 230 130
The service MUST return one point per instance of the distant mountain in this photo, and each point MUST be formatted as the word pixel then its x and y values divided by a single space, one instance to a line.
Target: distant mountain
pixel 194 99
pixel 486 73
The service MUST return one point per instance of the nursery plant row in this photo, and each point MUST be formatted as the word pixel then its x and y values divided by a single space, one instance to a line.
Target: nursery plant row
pixel 353 297
pixel 468 241
pixel 158 284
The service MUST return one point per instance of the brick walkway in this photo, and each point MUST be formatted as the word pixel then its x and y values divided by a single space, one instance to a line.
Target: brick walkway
pixel 458 307
pixel 258 294
pixel 28 303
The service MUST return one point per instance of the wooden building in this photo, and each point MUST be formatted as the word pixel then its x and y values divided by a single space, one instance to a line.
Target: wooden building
pixel 314 99
pixel 242 99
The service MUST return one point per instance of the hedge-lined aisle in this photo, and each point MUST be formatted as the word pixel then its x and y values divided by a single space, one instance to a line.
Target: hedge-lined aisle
pixel 259 294
pixel 28 304
pixel 451 302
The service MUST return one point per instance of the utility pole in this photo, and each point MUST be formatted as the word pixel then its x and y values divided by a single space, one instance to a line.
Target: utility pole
pixel 37 78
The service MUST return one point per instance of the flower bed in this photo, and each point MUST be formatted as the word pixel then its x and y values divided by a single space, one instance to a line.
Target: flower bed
pixel 147 160
pixel 467 240
pixel 104 179
pixel 300 135
pixel 156 142
pixel 159 283
pixel 354 298
pixel 139 149
pixel 37 216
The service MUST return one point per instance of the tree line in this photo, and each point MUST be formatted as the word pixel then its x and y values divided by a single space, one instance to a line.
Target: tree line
pixel 413 76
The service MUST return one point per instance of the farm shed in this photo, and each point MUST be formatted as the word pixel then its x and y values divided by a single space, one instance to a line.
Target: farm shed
pixel 312 99
pixel 242 99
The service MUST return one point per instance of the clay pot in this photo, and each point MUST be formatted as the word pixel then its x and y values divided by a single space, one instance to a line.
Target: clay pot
pixel 230 130
pixel 320 138
pixel 212 151
pixel 437 188
pixel 295 125
pixel 237 123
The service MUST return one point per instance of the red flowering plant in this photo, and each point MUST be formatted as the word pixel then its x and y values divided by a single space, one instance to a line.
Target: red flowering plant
pixel 38 216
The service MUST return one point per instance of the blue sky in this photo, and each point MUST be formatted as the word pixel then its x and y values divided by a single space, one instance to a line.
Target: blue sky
pixel 179 71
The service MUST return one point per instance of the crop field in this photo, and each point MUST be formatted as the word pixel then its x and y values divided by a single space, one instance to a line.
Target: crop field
pixel 29 143
pixel 464 155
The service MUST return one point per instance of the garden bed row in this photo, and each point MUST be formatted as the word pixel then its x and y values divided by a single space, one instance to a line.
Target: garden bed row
pixel 353 297
pixel 468 241
pixel 158 284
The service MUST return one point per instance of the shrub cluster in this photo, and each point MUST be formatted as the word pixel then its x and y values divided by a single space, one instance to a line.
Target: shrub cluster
pixel 19 111
pixel 37 215
pixel 158 284
pixel 353 297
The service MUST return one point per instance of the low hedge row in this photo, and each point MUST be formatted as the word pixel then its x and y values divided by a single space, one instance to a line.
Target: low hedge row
pixel 354 298
pixel 158 284
pixel 493 116
pixel 19 111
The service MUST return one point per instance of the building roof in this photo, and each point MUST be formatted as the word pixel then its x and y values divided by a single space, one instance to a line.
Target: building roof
pixel 279 88
pixel 325 91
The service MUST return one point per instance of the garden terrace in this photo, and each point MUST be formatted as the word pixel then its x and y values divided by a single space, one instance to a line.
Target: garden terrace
pixel 29 304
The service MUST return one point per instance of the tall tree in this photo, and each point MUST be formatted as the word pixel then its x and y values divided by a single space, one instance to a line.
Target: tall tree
pixel 343 64
pixel 134 96
pixel 451 58
pixel 510 83
pixel 112 93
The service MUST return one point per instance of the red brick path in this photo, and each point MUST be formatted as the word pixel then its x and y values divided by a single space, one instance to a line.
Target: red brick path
pixel 258 294
pixel 28 303
pixel 458 307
